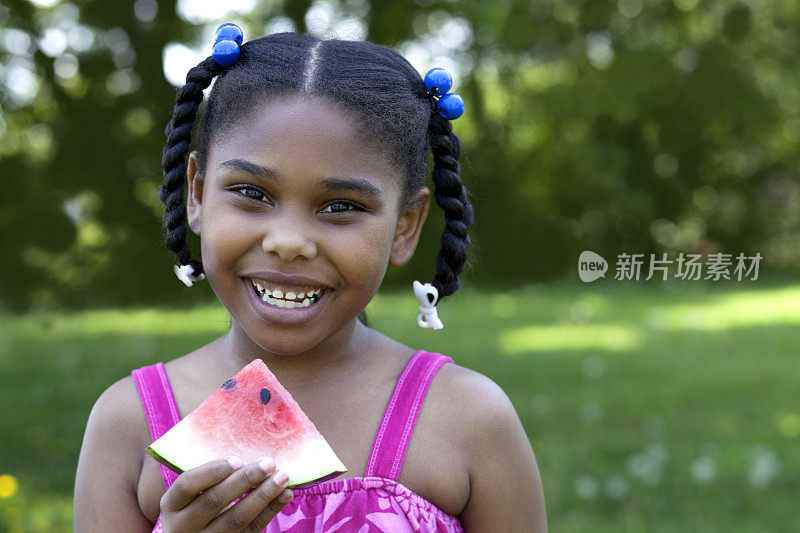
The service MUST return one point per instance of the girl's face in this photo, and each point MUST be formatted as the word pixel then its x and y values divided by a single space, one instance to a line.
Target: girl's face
pixel 290 190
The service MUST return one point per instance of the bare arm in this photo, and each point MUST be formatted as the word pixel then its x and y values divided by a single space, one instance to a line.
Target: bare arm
pixel 109 466
pixel 505 486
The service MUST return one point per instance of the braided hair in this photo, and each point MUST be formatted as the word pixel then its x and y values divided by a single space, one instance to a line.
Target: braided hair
pixel 382 91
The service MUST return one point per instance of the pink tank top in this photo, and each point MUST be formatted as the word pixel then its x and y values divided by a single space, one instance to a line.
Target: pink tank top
pixel 372 503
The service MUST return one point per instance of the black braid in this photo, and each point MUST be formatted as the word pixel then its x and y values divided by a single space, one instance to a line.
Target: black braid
pixel 451 195
pixel 173 162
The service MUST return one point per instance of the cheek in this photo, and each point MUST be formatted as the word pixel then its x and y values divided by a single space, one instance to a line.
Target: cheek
pixel 224 234
pixel 362 253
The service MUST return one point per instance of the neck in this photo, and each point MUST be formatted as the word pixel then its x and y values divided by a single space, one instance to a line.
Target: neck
pixel 336 354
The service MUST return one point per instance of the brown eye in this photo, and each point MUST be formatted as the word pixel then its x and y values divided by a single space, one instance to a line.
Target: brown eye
pixel 339 208
pixel 251 196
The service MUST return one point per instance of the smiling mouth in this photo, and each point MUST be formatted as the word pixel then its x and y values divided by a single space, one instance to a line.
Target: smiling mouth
pixel 300 298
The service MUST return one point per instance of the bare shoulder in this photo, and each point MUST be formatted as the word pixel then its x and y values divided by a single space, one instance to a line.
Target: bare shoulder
pixel 117 420
pixel 502 466
pixel 472 399
pixel 110 461
pixel 459 379
pixel 121 407
pixel 121 401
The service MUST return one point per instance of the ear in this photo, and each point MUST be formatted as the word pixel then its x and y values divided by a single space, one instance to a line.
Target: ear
pixel 409 227
pixel 194 201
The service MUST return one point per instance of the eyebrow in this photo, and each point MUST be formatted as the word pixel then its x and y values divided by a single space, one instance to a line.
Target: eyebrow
pixel 327 184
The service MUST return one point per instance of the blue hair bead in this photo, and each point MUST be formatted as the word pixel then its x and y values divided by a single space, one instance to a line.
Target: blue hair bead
pixel 229 32
pixel 225 52
pixel 451 106
pixel 438 81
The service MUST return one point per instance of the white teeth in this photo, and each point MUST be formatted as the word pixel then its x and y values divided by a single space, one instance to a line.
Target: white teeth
pixel 278 299
pixel 287 304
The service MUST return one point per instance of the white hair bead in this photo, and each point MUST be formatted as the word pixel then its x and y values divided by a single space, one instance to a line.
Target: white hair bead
pixel 427 295
pixel 186 274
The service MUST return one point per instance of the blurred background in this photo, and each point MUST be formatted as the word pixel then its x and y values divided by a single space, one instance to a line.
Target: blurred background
pixel 616 126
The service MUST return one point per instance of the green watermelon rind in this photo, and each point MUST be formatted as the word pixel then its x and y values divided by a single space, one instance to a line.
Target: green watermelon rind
pixel 175 468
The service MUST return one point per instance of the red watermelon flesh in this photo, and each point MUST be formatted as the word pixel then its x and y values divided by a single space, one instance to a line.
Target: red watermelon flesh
pixel 251 415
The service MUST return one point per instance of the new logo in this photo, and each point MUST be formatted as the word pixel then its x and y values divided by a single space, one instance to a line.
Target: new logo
pixel 591 266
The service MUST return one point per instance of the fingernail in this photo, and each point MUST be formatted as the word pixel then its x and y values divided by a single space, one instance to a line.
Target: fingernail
pixel 266 464
pixel 235 462
pixel 281 478
pixel 285 496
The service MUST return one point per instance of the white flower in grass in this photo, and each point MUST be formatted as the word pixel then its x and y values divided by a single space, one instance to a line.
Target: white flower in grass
pixel 703 470
pixel 648 465
pixel 586 487
pixel 657 452
pixel 764 466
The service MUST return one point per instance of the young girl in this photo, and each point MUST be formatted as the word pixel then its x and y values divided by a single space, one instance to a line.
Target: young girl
pixel 306 181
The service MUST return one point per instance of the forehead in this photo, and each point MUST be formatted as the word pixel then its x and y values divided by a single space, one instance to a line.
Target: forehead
pixel 303 136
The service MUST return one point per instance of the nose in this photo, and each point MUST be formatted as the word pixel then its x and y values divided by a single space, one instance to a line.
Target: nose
pixel 289 238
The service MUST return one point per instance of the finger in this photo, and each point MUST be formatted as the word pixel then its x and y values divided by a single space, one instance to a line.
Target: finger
pixel 275 507
pixel 260 502
pixel 192 482
pixel 214 500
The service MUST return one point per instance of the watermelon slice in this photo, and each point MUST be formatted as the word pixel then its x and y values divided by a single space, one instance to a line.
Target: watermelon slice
pixel 252 416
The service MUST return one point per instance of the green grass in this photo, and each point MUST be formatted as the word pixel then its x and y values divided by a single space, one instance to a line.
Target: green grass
pixel 650 407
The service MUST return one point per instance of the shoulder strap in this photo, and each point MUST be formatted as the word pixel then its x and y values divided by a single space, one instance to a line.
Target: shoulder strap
pixel 159 405
pixel 397 425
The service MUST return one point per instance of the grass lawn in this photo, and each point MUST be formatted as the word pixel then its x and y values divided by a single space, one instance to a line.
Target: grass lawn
pixel 650 407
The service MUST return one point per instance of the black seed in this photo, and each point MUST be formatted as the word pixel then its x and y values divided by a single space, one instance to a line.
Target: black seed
pixel 231 383
pixel 264 395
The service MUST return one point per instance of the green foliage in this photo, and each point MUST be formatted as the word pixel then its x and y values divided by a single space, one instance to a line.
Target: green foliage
pixel 669 408
pixel 615 126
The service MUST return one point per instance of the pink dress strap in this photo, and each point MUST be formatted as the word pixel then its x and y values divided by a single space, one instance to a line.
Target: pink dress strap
pixel 397 425
pixel 159 405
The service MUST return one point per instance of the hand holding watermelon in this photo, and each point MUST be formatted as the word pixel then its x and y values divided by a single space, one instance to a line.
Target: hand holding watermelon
pixel 200 499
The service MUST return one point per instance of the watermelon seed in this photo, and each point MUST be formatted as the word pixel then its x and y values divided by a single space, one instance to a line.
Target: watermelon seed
pixel 229 384
pixel 264 395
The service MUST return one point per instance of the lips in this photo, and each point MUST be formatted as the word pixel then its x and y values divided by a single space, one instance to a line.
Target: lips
pixel 280 280
pixel 282 311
